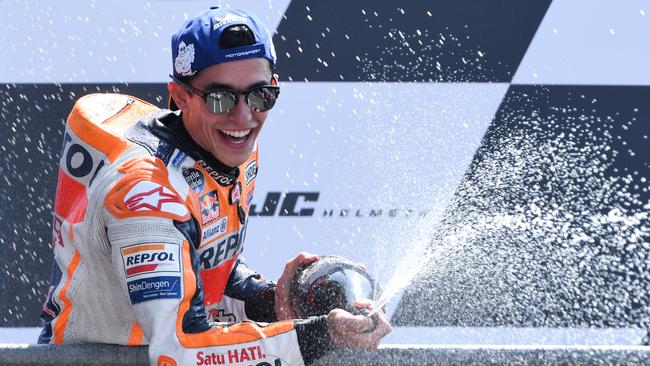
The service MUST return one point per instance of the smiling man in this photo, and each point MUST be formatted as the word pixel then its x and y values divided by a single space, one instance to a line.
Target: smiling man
pixel 151 211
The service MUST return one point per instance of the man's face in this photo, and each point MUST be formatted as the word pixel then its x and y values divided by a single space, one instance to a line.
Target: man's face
pixel 230 137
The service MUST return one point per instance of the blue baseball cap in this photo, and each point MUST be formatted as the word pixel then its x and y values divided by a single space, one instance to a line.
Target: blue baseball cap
pixel 196 45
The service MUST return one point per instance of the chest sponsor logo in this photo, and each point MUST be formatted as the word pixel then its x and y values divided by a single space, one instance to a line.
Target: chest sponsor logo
pixel 213 255
pixel 251 171
pixel 149 258
pixel 209 207
pixel 214 230
pixel 194 178
pixel 150 196
pixel 153 288
pixel 220 178
pixel 215 264
pixel 179 158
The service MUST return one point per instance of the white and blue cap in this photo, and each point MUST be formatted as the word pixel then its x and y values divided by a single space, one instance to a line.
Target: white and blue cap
pixel 197 44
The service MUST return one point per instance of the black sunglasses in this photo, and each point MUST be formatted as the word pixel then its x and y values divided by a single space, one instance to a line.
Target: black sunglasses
pixel 221 101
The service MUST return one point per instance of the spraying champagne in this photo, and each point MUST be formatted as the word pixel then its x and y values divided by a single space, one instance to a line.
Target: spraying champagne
pixel 332 282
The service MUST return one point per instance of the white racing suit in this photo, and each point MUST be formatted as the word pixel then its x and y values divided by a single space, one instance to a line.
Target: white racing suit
pixel 148 231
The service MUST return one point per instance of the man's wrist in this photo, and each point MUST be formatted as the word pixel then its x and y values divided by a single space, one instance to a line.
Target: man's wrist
pixel 261 307
pixel 313 337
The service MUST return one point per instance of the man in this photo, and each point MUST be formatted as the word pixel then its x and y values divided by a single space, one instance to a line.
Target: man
pixel 151 211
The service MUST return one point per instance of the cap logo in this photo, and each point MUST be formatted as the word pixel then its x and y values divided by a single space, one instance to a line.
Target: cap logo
pixel 184 59
pixel 229 19
pixel 253 50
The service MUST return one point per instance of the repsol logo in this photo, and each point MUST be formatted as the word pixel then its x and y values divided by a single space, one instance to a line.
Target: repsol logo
pixel 222 250
pixel 220 178
pixel 149 257
pixel 141 259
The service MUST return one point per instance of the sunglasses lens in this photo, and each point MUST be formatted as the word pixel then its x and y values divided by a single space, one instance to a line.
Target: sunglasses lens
pixel 262 99
pixel 220 102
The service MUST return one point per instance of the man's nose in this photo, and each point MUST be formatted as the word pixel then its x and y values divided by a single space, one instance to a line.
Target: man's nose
pixel 241 113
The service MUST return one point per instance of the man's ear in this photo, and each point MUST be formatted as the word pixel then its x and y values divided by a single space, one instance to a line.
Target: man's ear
pixel 179 95
pixel 274 79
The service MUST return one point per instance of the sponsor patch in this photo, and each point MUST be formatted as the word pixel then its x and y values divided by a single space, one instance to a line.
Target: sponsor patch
pixel 215 263
pixel 221 178
pixel 235 193
pixel 217 313
pixel 251 355
pixel 251 171
pixel 150 196
pixel 149 258
pixel 179 159
pixel 153 288
pixel 209 207
pixel 215 229
pixel 184 59
pixel 229 18
pixel 194 178
pixel 215 254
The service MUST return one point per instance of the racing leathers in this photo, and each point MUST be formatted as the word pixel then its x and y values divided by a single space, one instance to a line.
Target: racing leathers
pixel 148 231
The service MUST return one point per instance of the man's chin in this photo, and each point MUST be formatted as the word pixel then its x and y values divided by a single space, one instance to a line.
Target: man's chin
pixel 234 155
pixel 233 160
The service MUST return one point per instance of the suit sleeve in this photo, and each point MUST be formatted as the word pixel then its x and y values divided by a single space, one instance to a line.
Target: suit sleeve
pixel 258 294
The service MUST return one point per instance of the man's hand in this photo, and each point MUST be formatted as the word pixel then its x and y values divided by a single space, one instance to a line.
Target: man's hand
pixel 283 308
pixel 358 331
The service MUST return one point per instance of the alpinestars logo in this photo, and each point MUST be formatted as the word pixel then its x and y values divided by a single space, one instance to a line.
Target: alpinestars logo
pixel 150 196
pixel 151 200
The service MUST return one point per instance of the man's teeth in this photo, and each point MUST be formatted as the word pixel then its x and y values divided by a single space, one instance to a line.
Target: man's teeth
pixel 236 134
